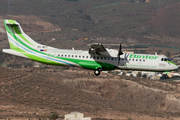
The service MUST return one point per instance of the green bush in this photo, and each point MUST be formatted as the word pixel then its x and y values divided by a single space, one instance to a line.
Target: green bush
pixel 53 116
pixel 138 75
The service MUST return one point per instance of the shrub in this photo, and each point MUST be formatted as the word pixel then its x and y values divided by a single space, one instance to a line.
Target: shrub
pixel 53 116
pixel 138 75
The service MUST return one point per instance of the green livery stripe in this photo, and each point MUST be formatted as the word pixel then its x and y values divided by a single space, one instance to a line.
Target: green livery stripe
pixel 12 46
pixel 7 29
pixel 36 58
pixel 87 64
pixel 15 28
pixel 12 21
pixel 171 63
pixel 22 43
pixel 83 63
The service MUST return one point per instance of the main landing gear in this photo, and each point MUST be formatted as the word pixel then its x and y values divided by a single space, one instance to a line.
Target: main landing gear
pixel 97 72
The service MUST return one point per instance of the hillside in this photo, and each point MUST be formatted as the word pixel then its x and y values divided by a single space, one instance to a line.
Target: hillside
pixel 71 24
pixel 24 93
pixel 166 21
pixel 102 18
pixel 163 28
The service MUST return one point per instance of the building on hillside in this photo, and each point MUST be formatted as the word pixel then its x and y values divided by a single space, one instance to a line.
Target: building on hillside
pixel 76 116
pixel 149 73
pixel 173 74
pixel 137 1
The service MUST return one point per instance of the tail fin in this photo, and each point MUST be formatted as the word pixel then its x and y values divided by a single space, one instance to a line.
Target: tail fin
pixel 16 35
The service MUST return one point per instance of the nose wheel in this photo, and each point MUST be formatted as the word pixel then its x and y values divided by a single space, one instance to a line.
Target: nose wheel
pixel 97 72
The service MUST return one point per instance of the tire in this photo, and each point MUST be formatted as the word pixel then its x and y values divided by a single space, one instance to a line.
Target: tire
pixel 97 72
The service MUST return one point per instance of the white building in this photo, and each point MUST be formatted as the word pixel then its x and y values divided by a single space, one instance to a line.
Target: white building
pixel 76 116
pixel 149 73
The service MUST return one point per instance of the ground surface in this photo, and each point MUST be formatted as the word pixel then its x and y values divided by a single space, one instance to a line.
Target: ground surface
pixel 38 92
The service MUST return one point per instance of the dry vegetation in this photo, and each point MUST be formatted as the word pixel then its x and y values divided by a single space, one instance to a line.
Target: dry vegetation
pixel 38 92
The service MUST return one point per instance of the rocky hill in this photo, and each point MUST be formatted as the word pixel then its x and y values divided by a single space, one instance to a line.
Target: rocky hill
pixel 121 19
pixel 31 23
pixel 166 21
pixel 38 92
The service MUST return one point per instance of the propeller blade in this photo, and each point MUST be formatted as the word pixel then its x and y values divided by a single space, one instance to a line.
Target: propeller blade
pixel 118 60
pixel 119 53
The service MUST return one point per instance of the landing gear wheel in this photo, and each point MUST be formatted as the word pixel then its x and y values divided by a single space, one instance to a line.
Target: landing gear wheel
pixel 97 72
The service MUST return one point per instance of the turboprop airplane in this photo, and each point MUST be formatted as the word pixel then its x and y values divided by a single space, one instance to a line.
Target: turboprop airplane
pixel 97 58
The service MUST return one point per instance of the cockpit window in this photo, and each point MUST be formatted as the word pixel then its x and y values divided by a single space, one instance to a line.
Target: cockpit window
pixel 165 59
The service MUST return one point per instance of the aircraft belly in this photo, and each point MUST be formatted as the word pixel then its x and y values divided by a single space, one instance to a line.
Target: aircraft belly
pixel 90 65
pixel 94 65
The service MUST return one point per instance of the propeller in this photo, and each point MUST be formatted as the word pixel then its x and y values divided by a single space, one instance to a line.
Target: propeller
pixel 119 53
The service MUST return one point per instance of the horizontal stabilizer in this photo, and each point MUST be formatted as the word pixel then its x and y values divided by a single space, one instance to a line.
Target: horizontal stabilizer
pixel 13 52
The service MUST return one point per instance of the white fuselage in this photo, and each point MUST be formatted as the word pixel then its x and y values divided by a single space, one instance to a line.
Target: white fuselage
pixel 128 61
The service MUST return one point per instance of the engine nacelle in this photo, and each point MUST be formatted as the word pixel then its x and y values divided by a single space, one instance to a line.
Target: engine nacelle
pixel 92 51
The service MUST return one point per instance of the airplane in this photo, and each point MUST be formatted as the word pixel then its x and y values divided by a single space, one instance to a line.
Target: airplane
pixel 98 58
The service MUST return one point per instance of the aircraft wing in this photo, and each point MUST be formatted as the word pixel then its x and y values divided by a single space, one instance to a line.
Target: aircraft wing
pixel 98 49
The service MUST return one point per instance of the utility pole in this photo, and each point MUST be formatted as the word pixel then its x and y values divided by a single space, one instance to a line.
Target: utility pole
pixel 9 7
pixel 159 5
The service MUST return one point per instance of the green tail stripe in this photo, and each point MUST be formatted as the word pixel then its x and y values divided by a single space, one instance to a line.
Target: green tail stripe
pixel 84 63
pixel 12 21
pixel 36 58
pixel 15 28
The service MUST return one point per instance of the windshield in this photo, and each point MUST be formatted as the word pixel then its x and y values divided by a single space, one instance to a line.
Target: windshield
pixel 165 59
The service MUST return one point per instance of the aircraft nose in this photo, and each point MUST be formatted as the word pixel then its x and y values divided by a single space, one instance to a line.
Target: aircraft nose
pixel 176 67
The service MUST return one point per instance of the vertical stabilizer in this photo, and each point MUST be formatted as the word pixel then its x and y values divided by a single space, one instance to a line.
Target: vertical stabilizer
pixel 16 35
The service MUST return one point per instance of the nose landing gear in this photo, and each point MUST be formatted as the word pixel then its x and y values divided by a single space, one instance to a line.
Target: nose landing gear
pixel 97 72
